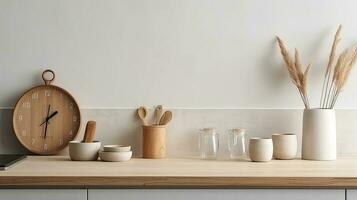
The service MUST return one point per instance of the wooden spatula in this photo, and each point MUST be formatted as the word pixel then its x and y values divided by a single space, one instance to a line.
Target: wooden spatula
pixel 158 114
pixel 166 118
pixel 89 133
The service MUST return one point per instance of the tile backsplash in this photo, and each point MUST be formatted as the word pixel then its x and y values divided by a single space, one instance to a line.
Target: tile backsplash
pixel 121 126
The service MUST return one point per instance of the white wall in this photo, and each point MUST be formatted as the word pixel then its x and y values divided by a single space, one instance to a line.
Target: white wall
pixel 184 54
pixel 180 53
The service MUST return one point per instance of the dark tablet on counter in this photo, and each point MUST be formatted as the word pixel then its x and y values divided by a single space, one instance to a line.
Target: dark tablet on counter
pixel 9 160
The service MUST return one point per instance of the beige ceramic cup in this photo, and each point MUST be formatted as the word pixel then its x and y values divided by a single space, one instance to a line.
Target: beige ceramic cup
pixel 260 149
pixel 81 151
pixel 285 146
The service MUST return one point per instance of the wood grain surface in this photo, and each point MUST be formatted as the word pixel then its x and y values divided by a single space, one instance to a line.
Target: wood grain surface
pixel 60 172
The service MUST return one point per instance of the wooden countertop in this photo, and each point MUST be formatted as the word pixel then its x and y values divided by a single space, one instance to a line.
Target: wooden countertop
pixel 60 172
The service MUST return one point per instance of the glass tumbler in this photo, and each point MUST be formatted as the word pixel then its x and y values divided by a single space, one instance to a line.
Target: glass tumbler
pixel 237 143
pixel 208 143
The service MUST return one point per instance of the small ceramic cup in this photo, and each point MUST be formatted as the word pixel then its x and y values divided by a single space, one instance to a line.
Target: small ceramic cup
pixel 285 146
pixel 81 151
pixel 260 149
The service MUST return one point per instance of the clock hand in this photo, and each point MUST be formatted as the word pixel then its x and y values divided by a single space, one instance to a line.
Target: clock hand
pixel 48 118
pixel 52 115
pixel 47 121
pixel 48 112
pixel 45 130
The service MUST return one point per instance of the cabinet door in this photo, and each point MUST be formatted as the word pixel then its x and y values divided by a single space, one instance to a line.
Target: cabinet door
pixel 215 194
pixel 351 195
pixel 43 194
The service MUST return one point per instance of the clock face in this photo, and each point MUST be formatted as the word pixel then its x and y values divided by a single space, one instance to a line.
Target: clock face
pixel 45 119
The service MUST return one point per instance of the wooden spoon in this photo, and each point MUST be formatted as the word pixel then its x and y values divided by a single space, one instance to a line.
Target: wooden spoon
pixel 158 114
pixel 142 113
pixel 89 132
pixel 166 118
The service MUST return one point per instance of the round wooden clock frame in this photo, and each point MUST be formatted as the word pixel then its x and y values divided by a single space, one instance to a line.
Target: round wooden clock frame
pixel 46 118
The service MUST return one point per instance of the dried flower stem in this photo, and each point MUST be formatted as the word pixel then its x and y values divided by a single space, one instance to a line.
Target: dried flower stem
pixel 336 75
pixel 297 76
pixel 342 71
pixel 326 84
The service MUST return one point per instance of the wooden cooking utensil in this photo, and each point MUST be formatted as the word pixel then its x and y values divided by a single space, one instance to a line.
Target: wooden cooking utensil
pixel 142 113
pixel 89 132
pixel 158 114
pixel 166 118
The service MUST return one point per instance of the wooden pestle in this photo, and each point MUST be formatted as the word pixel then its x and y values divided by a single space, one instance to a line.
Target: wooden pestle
pixel 89 133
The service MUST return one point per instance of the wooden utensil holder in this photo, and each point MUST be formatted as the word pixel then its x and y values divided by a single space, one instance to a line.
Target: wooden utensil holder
pixel 154 141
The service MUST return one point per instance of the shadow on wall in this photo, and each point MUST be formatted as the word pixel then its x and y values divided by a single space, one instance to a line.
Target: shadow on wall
pixel 273 68
pixel 8 140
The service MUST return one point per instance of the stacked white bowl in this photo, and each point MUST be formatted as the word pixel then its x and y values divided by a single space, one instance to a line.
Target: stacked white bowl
pixel 115 153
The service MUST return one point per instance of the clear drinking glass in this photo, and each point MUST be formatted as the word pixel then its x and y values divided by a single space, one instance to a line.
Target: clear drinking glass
pixel 208 143
pixel 237 143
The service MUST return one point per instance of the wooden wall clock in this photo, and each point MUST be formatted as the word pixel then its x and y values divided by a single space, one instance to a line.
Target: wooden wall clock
pixel 46 117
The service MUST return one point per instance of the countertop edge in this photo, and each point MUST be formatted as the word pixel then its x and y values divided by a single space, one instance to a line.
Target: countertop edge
pixel 167 182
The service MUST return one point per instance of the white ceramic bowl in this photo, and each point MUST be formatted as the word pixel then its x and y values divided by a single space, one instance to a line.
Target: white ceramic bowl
pixel 115 148
pixel 260 149
pixel 115 156
pixel 81 151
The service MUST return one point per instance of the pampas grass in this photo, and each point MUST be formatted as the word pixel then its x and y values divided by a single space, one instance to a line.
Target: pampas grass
pixel 326 84
pixel 336 75
pixel 297 76
pixel 341 73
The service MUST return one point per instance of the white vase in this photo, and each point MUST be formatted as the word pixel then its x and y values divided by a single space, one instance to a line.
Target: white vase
pixel 319 134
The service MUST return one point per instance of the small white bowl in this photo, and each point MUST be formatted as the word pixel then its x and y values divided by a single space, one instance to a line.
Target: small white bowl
pixel 115 156
pixel 260 149
pixel 284 146
pixel 116 148
pixel 81 151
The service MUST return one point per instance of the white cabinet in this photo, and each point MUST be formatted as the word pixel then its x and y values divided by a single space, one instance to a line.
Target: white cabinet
pixel 176 194
pixel 216 194
pixel 351 195
pixel 43 194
